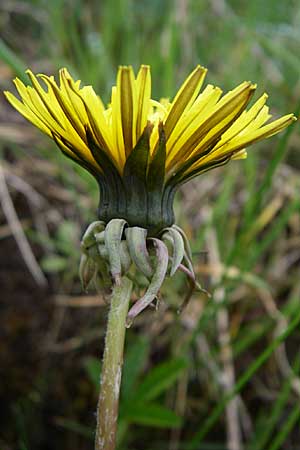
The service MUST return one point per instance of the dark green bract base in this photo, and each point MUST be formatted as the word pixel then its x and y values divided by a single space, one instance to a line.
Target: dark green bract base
pixel 138 209
pixel 140 195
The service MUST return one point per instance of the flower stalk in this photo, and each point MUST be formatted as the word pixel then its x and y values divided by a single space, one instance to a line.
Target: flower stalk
pixel 109 251
pixel 108 403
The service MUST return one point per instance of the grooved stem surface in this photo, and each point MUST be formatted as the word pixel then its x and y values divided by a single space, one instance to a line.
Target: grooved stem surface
pixel 108 403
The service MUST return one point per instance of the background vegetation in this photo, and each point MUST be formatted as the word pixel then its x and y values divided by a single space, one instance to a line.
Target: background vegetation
pixel 225 373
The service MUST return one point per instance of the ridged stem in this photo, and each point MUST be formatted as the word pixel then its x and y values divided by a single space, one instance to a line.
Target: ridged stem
pixel 108 404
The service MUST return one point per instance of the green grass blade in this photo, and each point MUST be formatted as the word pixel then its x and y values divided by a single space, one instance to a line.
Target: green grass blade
pixel 75 427
pixel 13 61
pixel 276 229
pixel 217 411
pixel 159 379
pixel 93 367
pixel 274 162
pixel 136 357
pixel 274 416
pixel 286 428
pixel 153 415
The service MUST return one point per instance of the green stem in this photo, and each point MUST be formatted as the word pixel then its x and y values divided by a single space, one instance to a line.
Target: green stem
pixel 108 404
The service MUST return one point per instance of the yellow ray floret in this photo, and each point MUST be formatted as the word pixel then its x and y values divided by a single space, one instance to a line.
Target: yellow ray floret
pixel 201 129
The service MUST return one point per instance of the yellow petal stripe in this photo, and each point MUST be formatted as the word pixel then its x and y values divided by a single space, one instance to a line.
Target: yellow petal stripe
pixel 143 87
pixel 184 98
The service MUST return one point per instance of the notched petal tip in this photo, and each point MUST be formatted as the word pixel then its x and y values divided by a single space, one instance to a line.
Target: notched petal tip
pixel 202 73
pixel 294 118
pixel 123 68
pixel 8 95
pixel 18 82
pixel 242 154
pixel 29 72
pixel 64 72
pixel 200 69
pixel 281 123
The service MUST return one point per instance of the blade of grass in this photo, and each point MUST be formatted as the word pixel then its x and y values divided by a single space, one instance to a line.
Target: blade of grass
pixel 217 411
pixel 274 162
pixel 75 427
pixel 250 336
pixel 13 61
pixel 219 213
pixel 277 408
pixel 159 379
pixel 274 232
pixel 251 170
pixel 136 358
pixel 289 424
pixel 253 206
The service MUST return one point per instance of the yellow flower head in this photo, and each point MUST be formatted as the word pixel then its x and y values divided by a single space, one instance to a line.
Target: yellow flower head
pixel 140 150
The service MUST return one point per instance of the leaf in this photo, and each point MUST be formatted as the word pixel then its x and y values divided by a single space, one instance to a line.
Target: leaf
pixel 75 427
pixel 53 264
pixel 67 231
pixel 65 237
pixel 153 415
pixel 135 360
pixel 240 383
pixel 93 367
pixel 159 380
pixel 9 57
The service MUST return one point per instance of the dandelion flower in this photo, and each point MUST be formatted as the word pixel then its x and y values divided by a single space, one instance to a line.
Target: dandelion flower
pixel 141 150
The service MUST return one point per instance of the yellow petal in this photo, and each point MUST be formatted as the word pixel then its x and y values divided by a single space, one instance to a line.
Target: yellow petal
pixel 126 87
pixel 34 103
pixel 204 130
pixel 66 106
pixel 245 119
pixel 242 154
pixel 261 133
pixel 246 140
pixel 116 126
pixel 211 125
pixel 26 112
pixel 143 87
pixel 95 112
pixel 48 100
pixel 72 91
pixel 203 104
pixel 184 98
